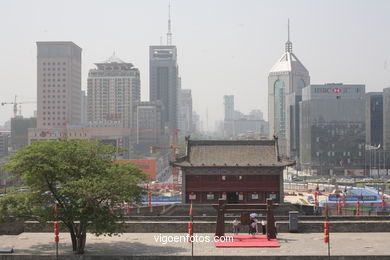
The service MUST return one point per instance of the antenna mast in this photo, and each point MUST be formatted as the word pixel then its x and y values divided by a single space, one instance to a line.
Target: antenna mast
pixel 169 33
pixel 288 43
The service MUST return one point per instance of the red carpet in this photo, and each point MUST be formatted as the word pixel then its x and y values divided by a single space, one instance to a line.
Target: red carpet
pixel 248 241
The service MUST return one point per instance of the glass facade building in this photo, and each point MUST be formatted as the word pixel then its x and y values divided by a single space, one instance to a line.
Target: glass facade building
pixel 332 124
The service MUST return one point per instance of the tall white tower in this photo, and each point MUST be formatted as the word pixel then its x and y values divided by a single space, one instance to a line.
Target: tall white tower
pixel 286 80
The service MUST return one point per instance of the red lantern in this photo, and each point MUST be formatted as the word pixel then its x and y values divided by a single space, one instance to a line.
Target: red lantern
pixel 358 208
pixel 326 232
pixel 190 232
pixel 383 203
pixel 56 231
pixel 149 199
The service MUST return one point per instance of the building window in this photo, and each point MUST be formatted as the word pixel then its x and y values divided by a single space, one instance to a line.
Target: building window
pixel 210 196
pixel 254 196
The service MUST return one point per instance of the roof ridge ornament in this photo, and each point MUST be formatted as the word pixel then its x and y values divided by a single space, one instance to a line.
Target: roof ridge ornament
pixel 288 43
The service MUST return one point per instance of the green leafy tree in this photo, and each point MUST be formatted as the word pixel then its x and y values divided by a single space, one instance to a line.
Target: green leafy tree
pixel 79 176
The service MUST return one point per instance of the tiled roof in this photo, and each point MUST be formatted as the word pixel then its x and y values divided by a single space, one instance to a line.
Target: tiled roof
pixel 231 153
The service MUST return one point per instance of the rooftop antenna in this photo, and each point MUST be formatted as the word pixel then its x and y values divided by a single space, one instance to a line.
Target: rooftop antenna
pixel 169 33
pixel 288 43
pixel 113 53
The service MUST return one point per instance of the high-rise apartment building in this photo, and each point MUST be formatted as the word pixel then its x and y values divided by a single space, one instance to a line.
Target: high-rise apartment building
pixel 286 80
pixel 374 118
pixel 332 118
pixel 113 90
pixel 163 80
pixel 58 84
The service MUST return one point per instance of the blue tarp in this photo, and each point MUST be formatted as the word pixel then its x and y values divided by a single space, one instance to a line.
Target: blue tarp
pixel 163 199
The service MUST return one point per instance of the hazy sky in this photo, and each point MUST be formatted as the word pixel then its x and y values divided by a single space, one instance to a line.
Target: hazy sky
pixel 224 47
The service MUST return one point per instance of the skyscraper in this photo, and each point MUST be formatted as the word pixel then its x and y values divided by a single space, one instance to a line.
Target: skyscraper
pixel 164 78
pixel 113 90
pixel 163 73
pixel 286 80
pixel 58 84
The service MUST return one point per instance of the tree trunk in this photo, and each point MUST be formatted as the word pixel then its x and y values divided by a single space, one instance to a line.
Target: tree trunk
pixel 73 238
pixel 80 241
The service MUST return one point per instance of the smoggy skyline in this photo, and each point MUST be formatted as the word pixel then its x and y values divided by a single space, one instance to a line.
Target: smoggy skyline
pixel 224 47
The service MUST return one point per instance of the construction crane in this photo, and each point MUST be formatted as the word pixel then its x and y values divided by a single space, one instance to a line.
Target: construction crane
pixel 173 147
pixel 15 103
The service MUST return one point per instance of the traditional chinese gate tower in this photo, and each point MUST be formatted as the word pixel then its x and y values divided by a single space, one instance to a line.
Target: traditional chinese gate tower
pixel 241 171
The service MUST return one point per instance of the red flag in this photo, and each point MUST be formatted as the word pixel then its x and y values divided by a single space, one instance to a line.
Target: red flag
pixel 191 209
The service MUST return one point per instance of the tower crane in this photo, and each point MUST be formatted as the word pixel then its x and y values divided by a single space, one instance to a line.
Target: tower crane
pixel 15 103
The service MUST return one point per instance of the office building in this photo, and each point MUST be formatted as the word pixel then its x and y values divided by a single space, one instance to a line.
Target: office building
pixel 333 128
pixel 58 84
pixel 386 119
pixel 113 89
pixel 148 126
pixel 163 80
pixel 185 112
pixel 237 125
pixel 374 119
pixel 286 80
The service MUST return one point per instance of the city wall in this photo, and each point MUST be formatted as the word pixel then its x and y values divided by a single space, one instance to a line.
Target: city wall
pixel 225 257
pixel 209 226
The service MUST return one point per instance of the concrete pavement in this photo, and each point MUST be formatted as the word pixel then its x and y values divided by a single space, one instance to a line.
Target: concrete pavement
pixel 145 244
